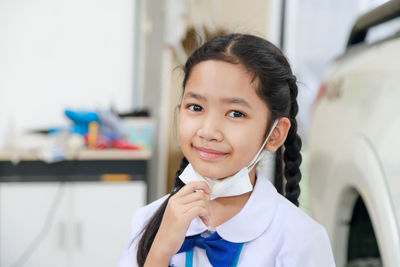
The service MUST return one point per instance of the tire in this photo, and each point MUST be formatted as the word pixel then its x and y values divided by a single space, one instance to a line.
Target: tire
pixel 365 262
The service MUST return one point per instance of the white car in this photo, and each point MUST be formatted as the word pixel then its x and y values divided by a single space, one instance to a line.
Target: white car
pixel 354 148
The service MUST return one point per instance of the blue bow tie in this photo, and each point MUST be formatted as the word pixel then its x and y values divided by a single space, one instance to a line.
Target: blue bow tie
pixel 220 252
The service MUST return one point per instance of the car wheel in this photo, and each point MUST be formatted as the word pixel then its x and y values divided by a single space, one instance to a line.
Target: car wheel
pixel 365 262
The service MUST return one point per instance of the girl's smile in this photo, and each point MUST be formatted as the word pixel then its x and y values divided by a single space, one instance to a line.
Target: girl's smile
pixel 209 154
pixel 222 120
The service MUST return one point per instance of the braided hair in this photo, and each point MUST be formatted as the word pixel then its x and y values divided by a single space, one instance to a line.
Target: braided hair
pixel 276 85
pixel 292 156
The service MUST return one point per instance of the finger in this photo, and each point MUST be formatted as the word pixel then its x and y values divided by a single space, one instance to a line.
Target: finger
pixel 193 186
pixel 197 211
pixel 205 219
pixel 198 203
pixel 194 197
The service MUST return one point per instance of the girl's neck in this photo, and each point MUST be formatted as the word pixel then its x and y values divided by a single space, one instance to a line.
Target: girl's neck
pixel 224 208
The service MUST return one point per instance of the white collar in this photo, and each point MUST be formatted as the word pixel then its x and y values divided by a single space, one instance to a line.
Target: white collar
pixel 251 221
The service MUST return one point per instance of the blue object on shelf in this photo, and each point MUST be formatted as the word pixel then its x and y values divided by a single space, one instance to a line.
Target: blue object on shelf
pixel 81 120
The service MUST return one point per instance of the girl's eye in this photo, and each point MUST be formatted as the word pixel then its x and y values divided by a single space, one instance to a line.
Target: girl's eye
pixel 235 114
pixel 194 107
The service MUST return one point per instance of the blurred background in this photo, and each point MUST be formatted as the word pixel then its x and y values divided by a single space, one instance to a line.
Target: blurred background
pixel 88 96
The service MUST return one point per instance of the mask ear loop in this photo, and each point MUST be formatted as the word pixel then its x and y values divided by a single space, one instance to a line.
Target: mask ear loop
pixel 257 157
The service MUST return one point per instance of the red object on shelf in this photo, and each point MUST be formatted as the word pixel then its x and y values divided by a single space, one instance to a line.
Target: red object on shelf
pixel 102 143
pixel 123 144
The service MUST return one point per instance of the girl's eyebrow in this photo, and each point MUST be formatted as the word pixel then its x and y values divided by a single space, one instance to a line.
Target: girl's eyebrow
pixel 229 100
pixel 236 100
pixel 194 95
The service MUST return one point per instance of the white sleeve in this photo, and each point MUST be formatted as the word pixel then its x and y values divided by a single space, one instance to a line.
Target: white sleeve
pixel 128 258
pixel 139 220
pixel 313 251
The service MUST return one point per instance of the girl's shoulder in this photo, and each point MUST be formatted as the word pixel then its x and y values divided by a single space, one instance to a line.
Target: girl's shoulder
pixel 296 225
pixel 300 240
pixel 288 213
pixel 282 218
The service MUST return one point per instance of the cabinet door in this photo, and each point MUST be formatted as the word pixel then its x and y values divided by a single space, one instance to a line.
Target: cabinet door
pixel 33 224
pixel 101 214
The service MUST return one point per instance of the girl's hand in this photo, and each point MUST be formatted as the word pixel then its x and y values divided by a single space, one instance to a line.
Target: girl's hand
pixel 181 209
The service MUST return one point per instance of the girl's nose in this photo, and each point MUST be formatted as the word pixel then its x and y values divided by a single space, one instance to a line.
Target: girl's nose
pixel 210 130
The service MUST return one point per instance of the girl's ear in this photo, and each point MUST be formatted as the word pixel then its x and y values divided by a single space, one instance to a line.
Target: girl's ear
pixel 279 135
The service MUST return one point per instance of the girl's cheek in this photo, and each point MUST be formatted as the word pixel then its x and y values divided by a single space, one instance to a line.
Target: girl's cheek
pixel 186 129
pixel 188 122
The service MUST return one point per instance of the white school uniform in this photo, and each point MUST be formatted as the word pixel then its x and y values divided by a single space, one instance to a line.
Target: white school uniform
pixel 274 231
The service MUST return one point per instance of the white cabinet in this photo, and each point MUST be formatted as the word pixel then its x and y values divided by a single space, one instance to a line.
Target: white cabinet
pixel 79 224
pixel 100 220
pixel 23 211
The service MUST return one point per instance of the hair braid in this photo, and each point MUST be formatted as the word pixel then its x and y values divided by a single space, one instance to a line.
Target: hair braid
pixel 152 227
pixel 291 155
pixel 278 180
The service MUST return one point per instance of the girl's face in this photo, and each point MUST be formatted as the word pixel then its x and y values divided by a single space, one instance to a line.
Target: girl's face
pixel 222 120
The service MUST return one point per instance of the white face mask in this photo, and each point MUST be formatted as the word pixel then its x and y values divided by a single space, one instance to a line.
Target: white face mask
pixel 235 185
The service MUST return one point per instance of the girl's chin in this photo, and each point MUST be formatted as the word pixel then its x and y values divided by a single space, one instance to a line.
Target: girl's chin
pixel 213 175
pixel 213 170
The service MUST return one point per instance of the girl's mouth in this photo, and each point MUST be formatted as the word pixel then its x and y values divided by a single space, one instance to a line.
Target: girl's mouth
pixel 209 154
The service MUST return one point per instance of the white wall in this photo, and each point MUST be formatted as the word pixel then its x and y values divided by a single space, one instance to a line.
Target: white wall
pixel 56 54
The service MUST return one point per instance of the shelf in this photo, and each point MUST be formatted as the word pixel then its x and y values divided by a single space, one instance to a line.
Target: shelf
pixel 85 154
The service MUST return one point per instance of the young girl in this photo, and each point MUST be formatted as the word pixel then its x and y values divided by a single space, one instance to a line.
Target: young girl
pixel 239 102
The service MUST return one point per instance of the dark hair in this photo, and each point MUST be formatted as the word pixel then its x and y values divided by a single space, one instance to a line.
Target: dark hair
pixel 276 85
